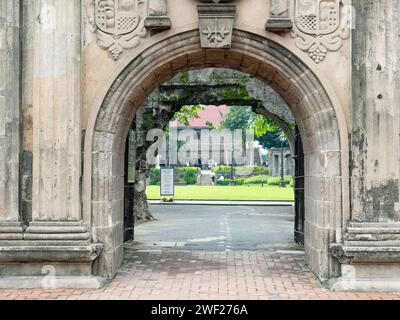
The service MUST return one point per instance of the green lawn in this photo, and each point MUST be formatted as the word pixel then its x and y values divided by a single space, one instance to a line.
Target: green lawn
pixel 244 193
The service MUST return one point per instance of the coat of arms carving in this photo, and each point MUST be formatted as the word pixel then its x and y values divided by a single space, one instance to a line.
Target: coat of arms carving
pixel 119 24
pixel 320 27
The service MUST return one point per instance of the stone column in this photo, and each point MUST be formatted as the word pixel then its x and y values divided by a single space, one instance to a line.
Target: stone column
pixel 370 250
pixel 56 98
pixel 10 105
pixel 376 112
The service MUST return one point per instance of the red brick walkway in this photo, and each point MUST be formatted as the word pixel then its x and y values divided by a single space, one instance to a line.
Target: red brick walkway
pixel 176 275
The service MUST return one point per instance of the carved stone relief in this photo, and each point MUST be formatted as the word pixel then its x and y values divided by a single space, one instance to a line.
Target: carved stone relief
pixel 216 24
pixel 118 24
pixel 319 27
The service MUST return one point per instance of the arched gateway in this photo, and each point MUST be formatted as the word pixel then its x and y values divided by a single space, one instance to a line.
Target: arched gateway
pixel 258 56
pixel 82 80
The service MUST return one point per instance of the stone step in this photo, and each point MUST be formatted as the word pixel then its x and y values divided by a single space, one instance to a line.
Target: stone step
pixel 381 244
pixel 374 225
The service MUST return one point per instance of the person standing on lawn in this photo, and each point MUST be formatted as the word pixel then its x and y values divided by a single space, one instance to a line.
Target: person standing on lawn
pixel 213 178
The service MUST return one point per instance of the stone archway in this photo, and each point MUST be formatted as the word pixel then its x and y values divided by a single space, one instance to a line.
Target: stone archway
pixel 279 68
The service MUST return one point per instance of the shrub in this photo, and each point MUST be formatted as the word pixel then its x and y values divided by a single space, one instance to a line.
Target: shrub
pixel 190 177
pixel 289 180
pixel 226 182
pixel 274 181
pixel 187 169
pixel 257 180
pixel 155 176
pixel 242 170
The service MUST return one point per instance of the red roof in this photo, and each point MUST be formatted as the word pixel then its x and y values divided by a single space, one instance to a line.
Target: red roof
pixel 211 114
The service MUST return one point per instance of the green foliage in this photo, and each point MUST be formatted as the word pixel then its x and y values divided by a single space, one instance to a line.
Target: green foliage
pixel 148 122
pixel 266 131
pixel 238 118
pixel 188 169
pixel 273 140
pixel 155 176
pixel 241 170
pixel 185 79
pixel 190 177
pixel 275 181
pixel 262 125
pixel 187 113
pixel 226 182
pixel 257 180
pixel 215 77
pixel 240 93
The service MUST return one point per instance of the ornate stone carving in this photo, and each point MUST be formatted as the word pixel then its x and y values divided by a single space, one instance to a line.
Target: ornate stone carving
pixel 216 24
pixel 279 16
pixel 319 27
pixel 119 24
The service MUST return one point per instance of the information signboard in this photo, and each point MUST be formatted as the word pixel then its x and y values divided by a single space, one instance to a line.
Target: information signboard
pixel 167 182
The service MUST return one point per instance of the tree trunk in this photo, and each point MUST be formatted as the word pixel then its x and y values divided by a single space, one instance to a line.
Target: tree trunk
pixel 141 209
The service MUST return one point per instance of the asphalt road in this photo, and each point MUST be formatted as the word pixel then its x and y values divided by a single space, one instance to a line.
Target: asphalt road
pixel 218 228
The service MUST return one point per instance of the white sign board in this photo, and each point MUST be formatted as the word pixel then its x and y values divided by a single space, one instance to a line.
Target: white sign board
pixel 167 182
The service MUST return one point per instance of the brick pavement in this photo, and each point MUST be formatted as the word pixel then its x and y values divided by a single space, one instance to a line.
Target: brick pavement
pixel 184 275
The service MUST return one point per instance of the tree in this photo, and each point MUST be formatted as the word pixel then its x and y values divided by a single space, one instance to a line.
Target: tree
pixel 238 118
pixel 265 130
pixel 186 113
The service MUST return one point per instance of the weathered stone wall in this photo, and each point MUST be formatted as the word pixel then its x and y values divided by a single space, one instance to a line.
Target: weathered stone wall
pixel 10 115
pixel 375 136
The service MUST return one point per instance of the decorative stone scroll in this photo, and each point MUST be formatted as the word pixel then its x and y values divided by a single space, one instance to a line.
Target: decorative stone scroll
pixel 319 27
pixel 216 24
pixel 119 24
pixel 280 19
pixel 157 19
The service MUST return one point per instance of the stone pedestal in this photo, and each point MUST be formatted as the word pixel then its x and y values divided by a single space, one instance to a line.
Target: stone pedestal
pixel 279 20
pixel 157 19
pixel 369 257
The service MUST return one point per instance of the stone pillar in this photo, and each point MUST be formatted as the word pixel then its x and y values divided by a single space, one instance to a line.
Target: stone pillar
pixel 370 249
pixel 11 226
pixel 56 235
pixel 376 112
pixel 56 109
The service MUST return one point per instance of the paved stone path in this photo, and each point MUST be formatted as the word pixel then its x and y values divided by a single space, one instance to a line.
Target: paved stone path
pixel 238 254
pixel 176 274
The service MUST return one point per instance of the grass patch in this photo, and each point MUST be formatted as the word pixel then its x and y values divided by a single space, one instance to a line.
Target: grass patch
pixel 238 193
